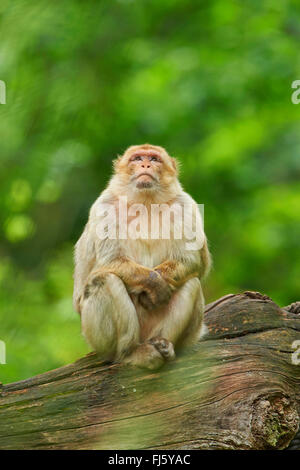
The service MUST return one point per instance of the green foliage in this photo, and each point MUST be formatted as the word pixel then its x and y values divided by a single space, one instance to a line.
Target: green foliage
pixel 210 81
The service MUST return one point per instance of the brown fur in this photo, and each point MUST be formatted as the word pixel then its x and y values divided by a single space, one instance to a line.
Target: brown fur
pixel 140 298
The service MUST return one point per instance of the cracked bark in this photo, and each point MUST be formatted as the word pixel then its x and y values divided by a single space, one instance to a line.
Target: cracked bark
pixel 237 389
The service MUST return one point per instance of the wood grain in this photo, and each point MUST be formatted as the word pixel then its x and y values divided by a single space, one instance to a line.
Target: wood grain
pixel 237 389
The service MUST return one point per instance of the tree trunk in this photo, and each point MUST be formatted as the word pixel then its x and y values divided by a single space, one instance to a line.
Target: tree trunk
pixel 239 388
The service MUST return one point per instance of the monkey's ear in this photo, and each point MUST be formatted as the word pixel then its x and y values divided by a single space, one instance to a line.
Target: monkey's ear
pixel 116 162
pixel 175 164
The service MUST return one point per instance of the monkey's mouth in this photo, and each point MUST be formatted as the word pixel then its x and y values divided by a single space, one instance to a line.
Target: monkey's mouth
pixel 145 183
pixel 145 174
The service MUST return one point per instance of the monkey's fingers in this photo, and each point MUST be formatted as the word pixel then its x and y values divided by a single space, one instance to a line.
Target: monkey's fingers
pixel 176 284
pixel 164 346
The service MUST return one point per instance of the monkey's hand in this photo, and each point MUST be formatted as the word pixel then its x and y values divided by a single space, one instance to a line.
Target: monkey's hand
pixel 149 285
pixel 155 291
pixel 176 274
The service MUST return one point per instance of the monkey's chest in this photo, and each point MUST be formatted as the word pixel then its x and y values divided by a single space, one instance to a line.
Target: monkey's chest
pixel 147 240
pixel 148 253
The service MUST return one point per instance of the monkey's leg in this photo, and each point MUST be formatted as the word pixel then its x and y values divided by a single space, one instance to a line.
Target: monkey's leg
pixel 108 317
pixel 181 321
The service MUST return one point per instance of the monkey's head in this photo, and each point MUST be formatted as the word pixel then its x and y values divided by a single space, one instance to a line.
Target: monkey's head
pixel 146 169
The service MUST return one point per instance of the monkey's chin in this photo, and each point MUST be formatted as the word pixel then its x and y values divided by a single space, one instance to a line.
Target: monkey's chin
pixel 145 182
pixel 144 185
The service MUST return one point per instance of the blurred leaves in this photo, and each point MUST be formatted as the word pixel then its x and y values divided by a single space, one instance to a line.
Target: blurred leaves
pixel 18 228
pixel 210 81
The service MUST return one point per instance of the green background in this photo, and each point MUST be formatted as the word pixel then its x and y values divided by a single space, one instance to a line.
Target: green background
pixel 210 81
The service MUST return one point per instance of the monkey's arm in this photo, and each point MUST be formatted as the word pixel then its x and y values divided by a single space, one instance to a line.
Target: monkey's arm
pixel 131 273
pixel 138 279
pixel 135 276
pixel 85 259
pixel 177 272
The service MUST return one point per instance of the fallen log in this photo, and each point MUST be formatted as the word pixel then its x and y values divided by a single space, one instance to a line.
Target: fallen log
pixel 239 388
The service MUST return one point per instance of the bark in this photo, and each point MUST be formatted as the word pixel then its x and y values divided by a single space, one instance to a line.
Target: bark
pixel 239 388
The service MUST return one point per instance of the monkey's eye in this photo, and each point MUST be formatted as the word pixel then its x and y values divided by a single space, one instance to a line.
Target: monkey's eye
pixel 138 157
pixel 154 159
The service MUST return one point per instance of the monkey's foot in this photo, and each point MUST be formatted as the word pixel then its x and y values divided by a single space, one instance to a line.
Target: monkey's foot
pixel 145 356
pixel 163 346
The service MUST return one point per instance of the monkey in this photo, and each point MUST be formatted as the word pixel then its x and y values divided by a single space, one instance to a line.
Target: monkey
pixel 140 297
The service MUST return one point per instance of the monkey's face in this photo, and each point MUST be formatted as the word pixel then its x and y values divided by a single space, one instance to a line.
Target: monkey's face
pixel 147 167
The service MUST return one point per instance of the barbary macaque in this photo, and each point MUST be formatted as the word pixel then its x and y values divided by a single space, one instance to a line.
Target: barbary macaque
pixel 137 272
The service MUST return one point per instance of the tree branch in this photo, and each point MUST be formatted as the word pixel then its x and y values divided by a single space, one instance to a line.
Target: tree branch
pixel 237 389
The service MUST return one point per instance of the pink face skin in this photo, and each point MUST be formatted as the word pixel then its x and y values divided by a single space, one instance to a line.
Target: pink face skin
pixel 145 166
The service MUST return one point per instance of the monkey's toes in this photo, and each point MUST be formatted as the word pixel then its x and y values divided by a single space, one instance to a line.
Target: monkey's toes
pixel 163 346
